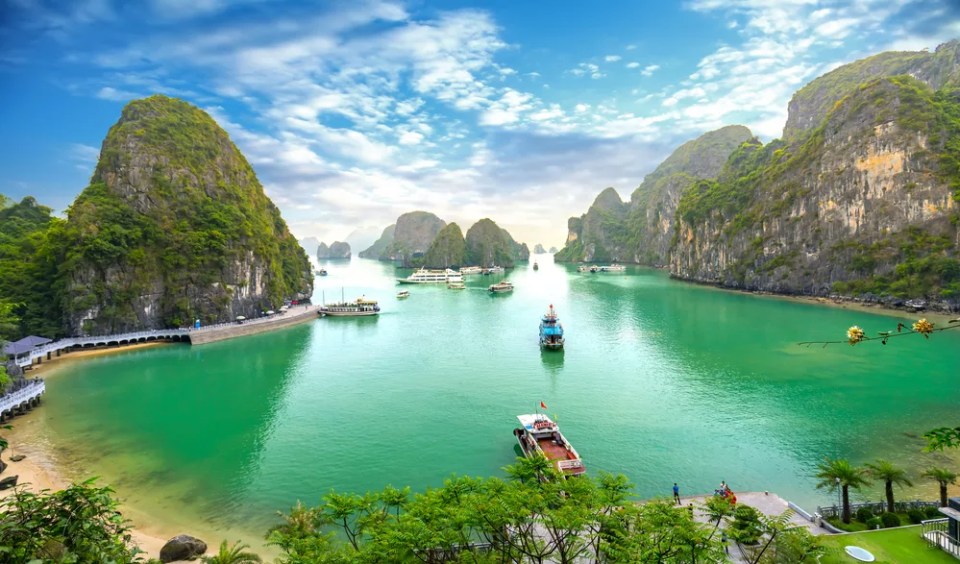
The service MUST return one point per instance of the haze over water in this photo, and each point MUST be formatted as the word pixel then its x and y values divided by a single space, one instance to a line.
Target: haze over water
pixel 662 381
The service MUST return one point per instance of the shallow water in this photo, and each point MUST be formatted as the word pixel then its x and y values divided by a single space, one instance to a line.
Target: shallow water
pixel 660 380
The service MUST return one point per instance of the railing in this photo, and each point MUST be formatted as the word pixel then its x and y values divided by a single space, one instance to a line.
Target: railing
pixel 935 532
pixel 23 395
pixel 876 507
pixel 568 464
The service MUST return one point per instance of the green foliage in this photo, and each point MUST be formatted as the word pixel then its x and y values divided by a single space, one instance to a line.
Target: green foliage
pixel 890 520
pixel 916 516
pixel 495 520
pixel 746 527
pixel 932 513
pixel 489 245
pixel 864 514
pixel 77 524
pixel 874 523
pixel 448 249
pixel 840 473
pixel 235 554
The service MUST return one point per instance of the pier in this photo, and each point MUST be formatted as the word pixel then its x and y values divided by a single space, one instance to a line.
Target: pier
pixel 195 336
pixel 22 399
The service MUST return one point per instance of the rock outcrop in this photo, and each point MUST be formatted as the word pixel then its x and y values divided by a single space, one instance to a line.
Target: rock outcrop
pixel 538 249
pixel 487 244
pixel 182 547
pixel 380 245
pixel 174 226
pixel 643 230
pixel 448 249
pixel 410 238
pixel 336 250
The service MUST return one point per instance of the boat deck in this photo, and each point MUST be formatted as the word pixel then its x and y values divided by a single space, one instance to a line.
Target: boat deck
pixel 563 460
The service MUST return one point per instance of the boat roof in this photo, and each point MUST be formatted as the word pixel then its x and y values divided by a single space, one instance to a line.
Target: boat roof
pixel 366 301
pixel 528 419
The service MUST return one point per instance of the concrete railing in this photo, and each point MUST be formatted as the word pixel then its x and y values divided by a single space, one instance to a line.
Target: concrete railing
pixel 25 395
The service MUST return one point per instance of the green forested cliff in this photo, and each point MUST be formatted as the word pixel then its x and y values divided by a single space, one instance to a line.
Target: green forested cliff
pixel 489 245
pixel 174 226
pixel 447 249
pixel 860 197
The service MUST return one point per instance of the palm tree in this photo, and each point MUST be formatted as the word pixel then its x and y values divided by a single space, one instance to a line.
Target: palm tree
pixel 890 474
pixel 840 473
pixel 943 477
pixel 232 555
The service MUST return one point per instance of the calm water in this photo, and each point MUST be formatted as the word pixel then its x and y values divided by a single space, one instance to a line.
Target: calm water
pixel 661 381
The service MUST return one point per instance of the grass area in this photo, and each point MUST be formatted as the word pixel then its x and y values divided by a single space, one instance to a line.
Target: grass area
pixel 894 546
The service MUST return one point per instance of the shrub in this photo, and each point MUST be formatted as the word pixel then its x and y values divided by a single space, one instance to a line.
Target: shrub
pixel 864 514
pixel 916 516
pixel 890 520
pixel 746 525
pixel 933 512
pixel 874 523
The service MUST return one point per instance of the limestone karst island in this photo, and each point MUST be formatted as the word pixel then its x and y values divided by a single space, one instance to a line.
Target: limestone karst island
pixel 429 282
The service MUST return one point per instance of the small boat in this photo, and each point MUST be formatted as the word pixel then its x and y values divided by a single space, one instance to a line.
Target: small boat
pixel 470 270
pixel 321 272
pixel 536 266
pixel 425 276
pixel 538 435
pixel 501 287
pixel 457 285
pixel 613 268
pixel 402 294
pixel 583 268
pixel 492 270
pixel 551 331
pixel 360 307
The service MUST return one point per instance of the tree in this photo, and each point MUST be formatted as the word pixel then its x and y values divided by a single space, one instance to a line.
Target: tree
pixel 890 474
pixel 232 555
pixel 78 524
pixel 942 477
pixel 840 472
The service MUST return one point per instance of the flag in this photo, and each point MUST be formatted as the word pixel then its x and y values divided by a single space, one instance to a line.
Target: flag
pixel 543 405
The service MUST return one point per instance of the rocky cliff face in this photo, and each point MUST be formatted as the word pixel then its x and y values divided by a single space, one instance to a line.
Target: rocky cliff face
pixel 864 203
pixel 174 226
pixel 336 250
pixel 643 230
pixel 380 245
pixel 489 245
pixel 447 249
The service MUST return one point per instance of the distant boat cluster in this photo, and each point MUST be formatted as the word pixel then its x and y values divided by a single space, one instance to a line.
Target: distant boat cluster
pixel 598 268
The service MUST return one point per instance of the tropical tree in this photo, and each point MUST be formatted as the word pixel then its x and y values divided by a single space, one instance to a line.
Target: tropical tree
pixel 943 477
pixel 232 555
pixel 890 474
pixel 840 473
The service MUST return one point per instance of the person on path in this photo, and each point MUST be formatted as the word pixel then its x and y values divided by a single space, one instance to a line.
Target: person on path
pixel 676 493
pixel 723 541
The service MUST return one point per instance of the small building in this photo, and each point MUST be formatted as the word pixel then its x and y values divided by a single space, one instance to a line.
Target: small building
pixel 943 533
pixel 20 348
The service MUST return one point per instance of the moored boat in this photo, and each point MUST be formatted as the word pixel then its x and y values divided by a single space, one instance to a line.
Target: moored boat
pixel 536 266
pixel 320 272
pixel 425 276
pixel 551 331
pixel 613 268
pixel 538 435
pixel 360 307
pixel 493 270
pixel 456 285
pixel 501 287
pixel 402 294
pixel 470 270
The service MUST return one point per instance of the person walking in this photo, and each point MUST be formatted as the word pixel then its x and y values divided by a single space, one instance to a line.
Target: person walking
pixel 723 541
pixel 676 493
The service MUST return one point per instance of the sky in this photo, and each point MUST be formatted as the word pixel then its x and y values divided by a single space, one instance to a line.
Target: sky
pixel 354 112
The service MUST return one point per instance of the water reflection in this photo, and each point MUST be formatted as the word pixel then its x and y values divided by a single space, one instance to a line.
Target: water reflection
pixel 552 361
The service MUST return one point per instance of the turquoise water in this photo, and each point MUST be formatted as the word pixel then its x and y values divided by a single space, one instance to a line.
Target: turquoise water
pixel 660 380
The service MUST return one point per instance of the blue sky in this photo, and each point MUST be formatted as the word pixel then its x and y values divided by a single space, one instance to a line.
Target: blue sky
pixel 354 112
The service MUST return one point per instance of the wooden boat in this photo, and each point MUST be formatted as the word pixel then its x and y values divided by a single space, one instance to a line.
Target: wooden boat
pixel 536 266
pixel 539 435
pixel 551 331
pixel 501 287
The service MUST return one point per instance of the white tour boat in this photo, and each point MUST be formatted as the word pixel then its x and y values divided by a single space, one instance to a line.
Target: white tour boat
pixel 539 435
pixel 425 276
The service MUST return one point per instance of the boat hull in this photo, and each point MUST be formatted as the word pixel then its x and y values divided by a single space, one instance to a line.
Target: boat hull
pixel 347 313
pixel 553 446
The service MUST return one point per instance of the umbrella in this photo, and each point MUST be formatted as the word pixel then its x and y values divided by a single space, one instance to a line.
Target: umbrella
pixel 270 312
pixel 240 318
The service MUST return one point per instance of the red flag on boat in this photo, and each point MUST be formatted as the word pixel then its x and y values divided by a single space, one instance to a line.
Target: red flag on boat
pixel 543 405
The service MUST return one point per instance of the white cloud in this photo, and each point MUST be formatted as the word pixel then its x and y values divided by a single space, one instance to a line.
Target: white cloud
pixel 410 138
pixel 612 58
pixel 649 70
pixel 633 65
pixel 114 95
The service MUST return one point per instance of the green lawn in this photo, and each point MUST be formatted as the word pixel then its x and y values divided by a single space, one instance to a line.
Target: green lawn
pixel 893 546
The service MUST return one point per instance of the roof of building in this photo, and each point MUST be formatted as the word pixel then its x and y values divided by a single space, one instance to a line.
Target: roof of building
pixel 25 345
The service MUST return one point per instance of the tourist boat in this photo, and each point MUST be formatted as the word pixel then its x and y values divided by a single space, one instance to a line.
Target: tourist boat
pixel 492 270
pixel 613 268
pixel 456 285
pixel 470 270
pixel 403 294
pixel 501 287
pixel 360 307
pixel 424 276
pixel 321 272
pixel 586 268
pixel 538 435
pixel 536 266
pixel 551 331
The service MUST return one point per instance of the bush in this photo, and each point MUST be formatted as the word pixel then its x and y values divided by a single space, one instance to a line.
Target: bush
pixel 746 525
pixel 864 514
pixel 890 520
pixel 933 512
pixel 874 523
pixel 916 516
